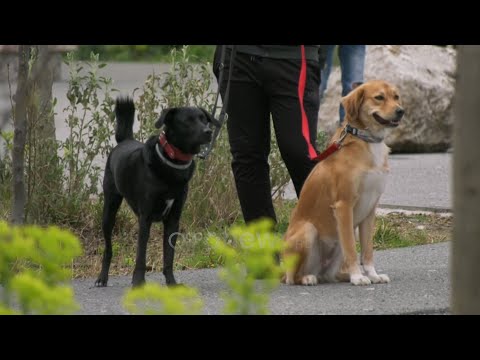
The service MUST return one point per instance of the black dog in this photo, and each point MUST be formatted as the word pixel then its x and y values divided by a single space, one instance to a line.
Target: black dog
pixel 153 178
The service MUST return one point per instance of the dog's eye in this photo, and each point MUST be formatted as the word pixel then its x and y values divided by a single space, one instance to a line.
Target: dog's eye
pixel 396 97
pixel 379 97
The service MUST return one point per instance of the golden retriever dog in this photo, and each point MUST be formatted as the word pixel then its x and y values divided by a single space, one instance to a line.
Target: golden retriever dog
pixel 342 192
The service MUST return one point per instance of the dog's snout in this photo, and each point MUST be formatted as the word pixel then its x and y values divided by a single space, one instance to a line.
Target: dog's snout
pixel 207 131
pixel 399 112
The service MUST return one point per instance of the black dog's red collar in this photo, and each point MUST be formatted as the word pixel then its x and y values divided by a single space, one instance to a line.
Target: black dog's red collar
pixel 173 152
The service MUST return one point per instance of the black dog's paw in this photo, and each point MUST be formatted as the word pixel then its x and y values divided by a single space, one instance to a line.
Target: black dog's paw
pixel 138 280
pixel 170 280
pixel 138 284
pixel 176 285
pixel 101 281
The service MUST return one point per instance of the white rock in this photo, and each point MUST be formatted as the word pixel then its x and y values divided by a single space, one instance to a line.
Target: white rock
pixel 425 77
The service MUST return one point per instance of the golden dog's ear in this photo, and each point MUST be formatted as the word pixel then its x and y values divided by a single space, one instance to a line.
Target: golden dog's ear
pixel 352 102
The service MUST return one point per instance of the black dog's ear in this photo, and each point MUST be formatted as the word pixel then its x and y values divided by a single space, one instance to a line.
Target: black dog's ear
pixel 210 118
pixel 165 117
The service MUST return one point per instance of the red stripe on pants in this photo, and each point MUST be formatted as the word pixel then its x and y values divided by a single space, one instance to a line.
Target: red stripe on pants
pixel 301 92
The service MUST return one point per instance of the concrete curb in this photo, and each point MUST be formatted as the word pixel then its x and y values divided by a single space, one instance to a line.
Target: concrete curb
pixel 383 210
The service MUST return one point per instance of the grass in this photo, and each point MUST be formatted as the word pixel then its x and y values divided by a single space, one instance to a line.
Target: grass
pixel 397 230
pixel 387 236
pixel 192 249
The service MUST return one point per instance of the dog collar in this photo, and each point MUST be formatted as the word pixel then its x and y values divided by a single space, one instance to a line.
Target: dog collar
pixel 173 152
pixel 335 146
pixel 363 134
pixel 168 162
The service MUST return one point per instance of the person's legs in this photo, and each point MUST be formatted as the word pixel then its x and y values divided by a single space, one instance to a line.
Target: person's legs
pixel 352 63
pixel 248 127
pixel 293 88
pixel 325 72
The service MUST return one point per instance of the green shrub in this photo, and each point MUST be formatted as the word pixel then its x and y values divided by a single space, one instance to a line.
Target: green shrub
pixel 62 177
pixel 34 264
pixel 152 299
pixel 252 257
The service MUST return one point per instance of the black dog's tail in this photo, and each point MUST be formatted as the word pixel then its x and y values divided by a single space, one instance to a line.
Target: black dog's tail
pixel 125 114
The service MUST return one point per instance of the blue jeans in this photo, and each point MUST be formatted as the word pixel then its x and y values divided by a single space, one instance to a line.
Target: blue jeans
pixel 352 64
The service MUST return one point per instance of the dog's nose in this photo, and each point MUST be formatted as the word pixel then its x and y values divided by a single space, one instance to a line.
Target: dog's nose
pixel 207 131
pixel 400 112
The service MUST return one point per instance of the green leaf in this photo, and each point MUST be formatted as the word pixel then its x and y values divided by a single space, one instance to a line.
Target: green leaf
pixel 152 299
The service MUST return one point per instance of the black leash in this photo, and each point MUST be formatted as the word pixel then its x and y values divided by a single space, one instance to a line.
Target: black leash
pixel 204 154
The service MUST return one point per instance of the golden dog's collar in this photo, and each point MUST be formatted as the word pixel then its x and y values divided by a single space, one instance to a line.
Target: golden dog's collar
pixel 363 134
pixel 335 146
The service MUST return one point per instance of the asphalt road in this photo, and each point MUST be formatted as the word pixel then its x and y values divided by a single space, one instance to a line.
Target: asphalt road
pixel 419 284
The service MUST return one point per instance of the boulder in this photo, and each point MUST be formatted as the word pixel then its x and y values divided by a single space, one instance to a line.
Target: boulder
pixel 425 77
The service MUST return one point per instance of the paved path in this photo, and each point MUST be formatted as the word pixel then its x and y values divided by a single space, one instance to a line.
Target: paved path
pixel 419 285
pixel 420 180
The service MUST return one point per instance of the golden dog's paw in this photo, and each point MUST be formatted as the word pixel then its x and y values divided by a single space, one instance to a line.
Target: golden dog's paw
pixel 359 279
pixel 375 278
pixel 289 281
pixel 309 280
pixel 379 279
pixel 289 278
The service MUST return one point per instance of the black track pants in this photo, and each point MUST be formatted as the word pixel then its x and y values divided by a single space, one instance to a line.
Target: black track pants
pixel 288 91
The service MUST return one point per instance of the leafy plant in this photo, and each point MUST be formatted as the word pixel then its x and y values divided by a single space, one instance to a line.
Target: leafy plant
pixel 62 176
pixel 152 299
pixel 33 266
pixel 91 125
pixel 252 258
